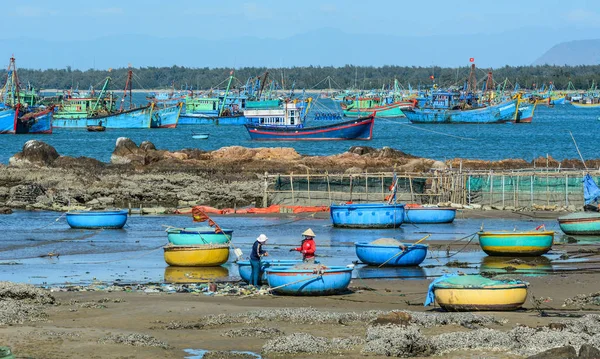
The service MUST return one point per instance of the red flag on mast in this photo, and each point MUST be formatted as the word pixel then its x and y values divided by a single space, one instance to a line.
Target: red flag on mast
pixel 200 216
pixel 471 59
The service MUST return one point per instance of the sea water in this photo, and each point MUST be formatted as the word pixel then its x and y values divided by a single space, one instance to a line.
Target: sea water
pixel 36 248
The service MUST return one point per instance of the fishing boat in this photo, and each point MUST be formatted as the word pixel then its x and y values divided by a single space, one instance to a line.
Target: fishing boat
pixel 361 107
pixel 198 235
pixel 107 219
pixel 7 120
pixel 200 135
pixel 474 292
pixel 418 214
pixel 139 117
pixel 322 280
pixel 166 116
pixel 580 223
pixel 393 255
pixel 367 215
pixel 96 128
pixel 442 111
pixel 585 105
pixel 245 268
pixel 33 120
pixel 359 129
pixel 205 255
pixel 74 108
pixel 194 274
pixel 529 243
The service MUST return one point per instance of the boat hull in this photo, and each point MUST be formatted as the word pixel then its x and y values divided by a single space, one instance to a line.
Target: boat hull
pixel 7 120
pixel 500 113
pixel 371 215
pixel 359 129
pixel 165 117
pixel 585 105
pixel 470 299
pixel 97 219
pixel 429 215
pixel 526 244
pixel 212 120
pixel 245 268
pixel 391 110
pixel 136 118
pixel 583 223
pixel 194 274
pixel 198 235
pixel 289 281
pixel 196 256
pixel 36 123
pixel 373 254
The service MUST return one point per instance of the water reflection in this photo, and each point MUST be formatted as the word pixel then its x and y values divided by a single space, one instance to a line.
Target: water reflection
pixel 365 272
pixel 529 266
pixel 565 238
pixel 194 274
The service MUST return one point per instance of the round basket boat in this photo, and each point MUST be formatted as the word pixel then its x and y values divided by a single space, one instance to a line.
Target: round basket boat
pixel 367 215
pixel 474 292
pixel 580 223
pixel 245 268
pixel 194 274
pixel 429 215
pixel 322 280
pixel 109 219
pixel 198 235
pixel 531 243
pixel 391 255
pixel 206 255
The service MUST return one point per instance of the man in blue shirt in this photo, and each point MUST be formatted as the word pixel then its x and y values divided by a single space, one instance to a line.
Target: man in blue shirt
pixel 257 253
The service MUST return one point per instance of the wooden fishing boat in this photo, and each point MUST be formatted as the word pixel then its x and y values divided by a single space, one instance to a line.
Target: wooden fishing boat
pixel 198 235
pixel 194 274
pixel 580 223
pixel 530 243
pixel 418 214
pixel 364 107
pixel 391 255
pixel 245 269
pixel 368 215
pixel 359 129
pixel 324 280
pixel 200 136
pixel 474 292
pixel 96 128
pixel 165 117
pixel 106 219
pixel 205 255
pixel 585 105
pixel 499 113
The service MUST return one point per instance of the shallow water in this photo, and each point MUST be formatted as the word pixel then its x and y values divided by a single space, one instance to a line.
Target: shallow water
pixel 134 254
pixel 548 134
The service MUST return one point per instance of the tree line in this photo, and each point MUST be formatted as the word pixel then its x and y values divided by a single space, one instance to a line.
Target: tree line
pixel 311 77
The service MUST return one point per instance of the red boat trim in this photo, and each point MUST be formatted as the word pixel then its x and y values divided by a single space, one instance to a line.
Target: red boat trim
pixel 578 220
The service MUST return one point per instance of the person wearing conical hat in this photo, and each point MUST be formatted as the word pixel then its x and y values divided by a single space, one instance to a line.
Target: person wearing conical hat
pixel 255 256
pixel 308 246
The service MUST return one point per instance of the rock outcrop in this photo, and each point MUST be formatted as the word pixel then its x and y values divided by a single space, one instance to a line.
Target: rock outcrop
pixel 35 153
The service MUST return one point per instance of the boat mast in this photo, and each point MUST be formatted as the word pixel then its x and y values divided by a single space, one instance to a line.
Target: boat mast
pixel 101 95
pixel 226 93
pixel 127 85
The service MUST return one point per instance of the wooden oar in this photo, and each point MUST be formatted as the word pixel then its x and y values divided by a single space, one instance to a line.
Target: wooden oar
pixel 402 251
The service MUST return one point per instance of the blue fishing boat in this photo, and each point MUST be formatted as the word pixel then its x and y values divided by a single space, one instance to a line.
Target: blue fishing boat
pixel 109 219
pixel 34 120
pixel 580 223
pixel 368 215
pixel 527 244
pixel 428 215
pixel 198 235
pixel 165 117
pixel 499 113
pixel 323 280
pixel 391 255
pixel 7 120
pixel 245 269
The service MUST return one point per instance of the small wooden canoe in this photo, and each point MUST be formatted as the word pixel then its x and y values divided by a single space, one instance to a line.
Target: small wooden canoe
pixel 474 292
pixel 207 255
pixel 527 244
pixel 96 128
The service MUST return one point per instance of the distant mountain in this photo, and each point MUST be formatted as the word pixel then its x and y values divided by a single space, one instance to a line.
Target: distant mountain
pixel 572 53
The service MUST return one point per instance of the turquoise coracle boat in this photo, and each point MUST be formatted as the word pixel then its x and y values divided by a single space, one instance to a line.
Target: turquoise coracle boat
pixel 582 223
pixel 198 235
pixel 531 243
pixel 323 280
pixel 245 268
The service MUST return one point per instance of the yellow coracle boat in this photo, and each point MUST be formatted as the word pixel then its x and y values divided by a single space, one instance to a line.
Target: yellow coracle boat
pixel 474 292
pixel 205 255
pixel 194 274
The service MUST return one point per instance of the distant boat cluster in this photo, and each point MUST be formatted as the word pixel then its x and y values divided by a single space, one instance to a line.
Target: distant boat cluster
pixel 268 115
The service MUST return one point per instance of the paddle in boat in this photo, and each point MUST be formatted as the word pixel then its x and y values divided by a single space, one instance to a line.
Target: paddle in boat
pixel 504 243
pixel 106 219
pixel 309 279
pixel 475 292
pixel 418 214
pixel 584 223
pixel 390 252
pixel 202 255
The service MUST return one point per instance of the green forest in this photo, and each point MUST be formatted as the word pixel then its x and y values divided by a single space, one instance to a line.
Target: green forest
pixel 311 77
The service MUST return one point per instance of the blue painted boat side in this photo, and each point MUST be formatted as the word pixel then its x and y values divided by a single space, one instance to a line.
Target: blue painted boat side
pixel 165 117
pixel 429 215
pixel 245 269
pixel 7 120
pixel 42 124
pixel 305 282
pixel 359 129
pixel 97 219
pixel 72 122
pixel 201 120
pixel 135 118
pixel 503 112
pixel 373 254
pixel 198 235
pixel 371 215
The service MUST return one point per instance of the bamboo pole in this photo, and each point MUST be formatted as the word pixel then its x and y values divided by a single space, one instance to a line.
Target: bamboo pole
pixel 367 185
pixel 566 190
pixel 308 185
pixel 350 188
pixel 503 192
pixel 292 186
pixel 382 188
pixel 328 186
pixel 531 191
pixel 412 193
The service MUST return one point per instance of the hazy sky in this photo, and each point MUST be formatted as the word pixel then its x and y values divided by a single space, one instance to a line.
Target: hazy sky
pixel 280 18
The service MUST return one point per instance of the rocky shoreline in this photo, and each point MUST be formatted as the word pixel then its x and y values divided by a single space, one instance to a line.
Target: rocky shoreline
pixel 38 177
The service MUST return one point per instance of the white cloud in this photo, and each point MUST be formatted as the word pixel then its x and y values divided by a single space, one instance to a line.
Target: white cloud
pixel 33 11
